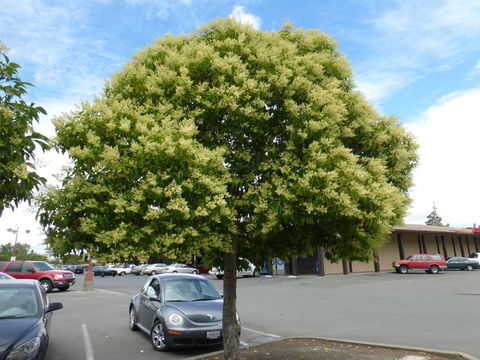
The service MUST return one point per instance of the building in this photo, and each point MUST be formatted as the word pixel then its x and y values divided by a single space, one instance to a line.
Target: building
pixel 404 240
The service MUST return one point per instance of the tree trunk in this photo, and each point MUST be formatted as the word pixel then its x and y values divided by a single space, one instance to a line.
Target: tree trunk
pixel 231 340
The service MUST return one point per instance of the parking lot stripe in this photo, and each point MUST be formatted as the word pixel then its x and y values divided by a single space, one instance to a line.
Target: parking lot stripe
pixel 260 332
pixel 88 343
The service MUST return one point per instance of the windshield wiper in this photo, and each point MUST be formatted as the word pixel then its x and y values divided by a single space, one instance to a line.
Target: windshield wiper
pixel 12 317
pixel 177 300
pixel 204 299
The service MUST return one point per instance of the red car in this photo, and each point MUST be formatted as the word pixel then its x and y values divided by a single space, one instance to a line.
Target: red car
pixel 432 264
pixel 48 277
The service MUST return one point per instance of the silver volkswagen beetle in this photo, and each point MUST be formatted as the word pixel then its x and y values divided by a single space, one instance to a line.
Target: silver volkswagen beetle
pixel 178 310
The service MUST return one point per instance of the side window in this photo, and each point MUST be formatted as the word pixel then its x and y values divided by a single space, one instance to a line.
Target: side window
pixel 415 258
pixel 155 285
pixel 426 258
pixel 27 267
pixel 14 268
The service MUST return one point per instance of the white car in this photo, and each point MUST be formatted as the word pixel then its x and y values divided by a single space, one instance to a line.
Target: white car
pixel 475 257
pixel 179 268
pixel 154 269
pixel 246 269
pixel 122 269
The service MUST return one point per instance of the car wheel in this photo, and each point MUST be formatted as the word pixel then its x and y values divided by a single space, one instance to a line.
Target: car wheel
pixel 123 273
pixel 220 277
pixel 403 269
pixel 469 267
pixel 114 274
pixel 63 288
pixel 174 271
pixel 132 321
pixel 157 337
pixel 153 272
pixel 46 285
pixel 194 272
pixel 434 270
pixel 103 274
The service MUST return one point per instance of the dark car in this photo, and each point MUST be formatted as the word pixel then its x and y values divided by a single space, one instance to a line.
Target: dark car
pixel 25 317
pixel 178 310
pixel 461 263
pixel 103 271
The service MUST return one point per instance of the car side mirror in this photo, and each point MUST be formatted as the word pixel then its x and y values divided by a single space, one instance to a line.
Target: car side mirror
pixel 54 306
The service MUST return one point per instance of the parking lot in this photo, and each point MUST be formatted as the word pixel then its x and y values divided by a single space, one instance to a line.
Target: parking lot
pixel 417 309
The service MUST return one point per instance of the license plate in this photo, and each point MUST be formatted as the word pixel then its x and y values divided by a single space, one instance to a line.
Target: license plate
pixel 213 334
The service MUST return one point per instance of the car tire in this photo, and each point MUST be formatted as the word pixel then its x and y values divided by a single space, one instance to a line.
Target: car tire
pixel 174 272
pixel 132 319
pixel 114 275
pixel 403 269
pixel 219 277
pixel 469 267
pixel 63 288
pixel 195 272
pixel 157 337
pixel 46 285
pixel 434 269
pixel 123 273
pixel 153 272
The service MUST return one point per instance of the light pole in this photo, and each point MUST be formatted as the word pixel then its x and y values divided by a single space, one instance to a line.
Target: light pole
pixel 14 247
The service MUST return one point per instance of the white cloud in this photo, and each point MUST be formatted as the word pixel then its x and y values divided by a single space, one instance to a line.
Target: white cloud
pixel 415 38
pixel 449 169
pixel 239 14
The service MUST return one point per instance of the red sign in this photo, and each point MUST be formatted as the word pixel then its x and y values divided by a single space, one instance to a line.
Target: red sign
pixel 476 229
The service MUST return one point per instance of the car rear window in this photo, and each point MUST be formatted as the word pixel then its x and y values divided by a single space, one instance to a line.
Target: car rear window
pixel 436 257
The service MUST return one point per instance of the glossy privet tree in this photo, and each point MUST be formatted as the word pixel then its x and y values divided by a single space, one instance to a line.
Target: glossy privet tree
pixel 235 142
pixel 18 139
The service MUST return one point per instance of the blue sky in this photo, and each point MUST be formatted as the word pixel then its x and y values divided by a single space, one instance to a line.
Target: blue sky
pixel 419 60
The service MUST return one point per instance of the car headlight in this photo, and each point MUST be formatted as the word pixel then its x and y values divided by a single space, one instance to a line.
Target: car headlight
pixel 58 277
pixel 175 319
pixel 25 350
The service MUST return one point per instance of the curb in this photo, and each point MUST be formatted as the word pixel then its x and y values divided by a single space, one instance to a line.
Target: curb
pixel 397 347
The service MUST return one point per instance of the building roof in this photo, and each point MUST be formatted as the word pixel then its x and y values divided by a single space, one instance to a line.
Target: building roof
pixel 432 229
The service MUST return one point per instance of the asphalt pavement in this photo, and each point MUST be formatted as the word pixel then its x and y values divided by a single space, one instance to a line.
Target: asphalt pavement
pixel 415 310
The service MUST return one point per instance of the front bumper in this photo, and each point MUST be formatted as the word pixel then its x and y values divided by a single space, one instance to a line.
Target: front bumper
pixel 190 338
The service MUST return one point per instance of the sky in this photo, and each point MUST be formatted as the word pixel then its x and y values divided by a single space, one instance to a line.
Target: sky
pixel 417 60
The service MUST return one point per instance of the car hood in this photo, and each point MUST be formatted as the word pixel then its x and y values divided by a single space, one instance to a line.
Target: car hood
pixel 13 330
pixel 200 311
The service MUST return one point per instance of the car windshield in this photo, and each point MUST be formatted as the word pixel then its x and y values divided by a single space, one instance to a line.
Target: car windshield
pixel 17 303
pixel 189 290
pixel 43 266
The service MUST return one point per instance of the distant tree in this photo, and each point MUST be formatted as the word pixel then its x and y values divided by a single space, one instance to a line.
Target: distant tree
pixel 434 219
pixel 234 142
pixel 18 140
pixel 23 251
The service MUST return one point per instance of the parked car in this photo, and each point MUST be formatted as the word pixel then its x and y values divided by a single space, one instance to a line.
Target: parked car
pixel 103 271
pixel 122 269
pixel 48 277
pixel 432 264
pixel 475 257
pixel 4 276
pixel 178 310
pixel 461 263
pixel 138 270
pixel 25 318
pixel 179 268
pixel 245 269
pixel 154 269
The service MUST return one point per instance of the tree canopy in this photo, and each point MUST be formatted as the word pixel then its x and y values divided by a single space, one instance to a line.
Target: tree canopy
pixel 23 251
pixel 18 139
pixel 231 140
pixel 434 219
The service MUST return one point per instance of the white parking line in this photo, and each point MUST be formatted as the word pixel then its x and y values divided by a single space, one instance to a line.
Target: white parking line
pixel 88 343
pixel 243 343
pixel 260 332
